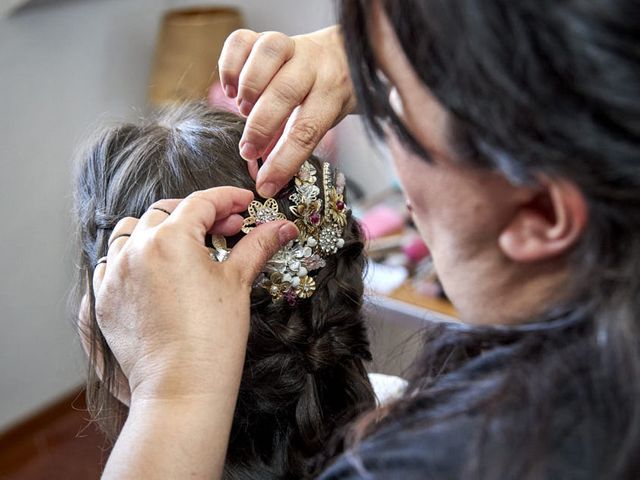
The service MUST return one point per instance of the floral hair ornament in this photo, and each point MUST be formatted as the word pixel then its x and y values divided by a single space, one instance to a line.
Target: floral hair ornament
pixel 218 251
pixel 321 223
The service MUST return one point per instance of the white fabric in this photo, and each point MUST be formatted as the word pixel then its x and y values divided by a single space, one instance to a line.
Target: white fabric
pixel 387 387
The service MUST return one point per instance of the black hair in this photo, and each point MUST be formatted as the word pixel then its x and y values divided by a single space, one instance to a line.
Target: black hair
pixel 532 87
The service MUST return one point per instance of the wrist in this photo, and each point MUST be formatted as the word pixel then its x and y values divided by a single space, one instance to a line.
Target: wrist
pixel 178 437
pixel 187 383
pixel 181 408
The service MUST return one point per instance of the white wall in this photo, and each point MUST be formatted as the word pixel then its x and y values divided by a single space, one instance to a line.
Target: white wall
pixel 64 65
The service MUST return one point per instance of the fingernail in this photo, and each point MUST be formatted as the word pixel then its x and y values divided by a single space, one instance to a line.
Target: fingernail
pixel 248 151
pixel 245 107
pixel 230 91
pixel 286 233
pixel 268 190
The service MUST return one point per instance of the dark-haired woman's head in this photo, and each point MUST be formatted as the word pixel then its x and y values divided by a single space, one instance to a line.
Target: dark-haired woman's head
pixel 515 128
pixel 304 376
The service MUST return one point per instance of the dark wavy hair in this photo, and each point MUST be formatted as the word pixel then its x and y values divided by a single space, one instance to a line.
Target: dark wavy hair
pixel 532 87
pixel 304 375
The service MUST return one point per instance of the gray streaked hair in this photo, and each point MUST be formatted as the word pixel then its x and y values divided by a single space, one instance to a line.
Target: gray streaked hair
pixel 304 376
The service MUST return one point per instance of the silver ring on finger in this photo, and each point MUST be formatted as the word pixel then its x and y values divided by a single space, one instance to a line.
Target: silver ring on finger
pixel 100 261
pixel 117 237
pixel 161 209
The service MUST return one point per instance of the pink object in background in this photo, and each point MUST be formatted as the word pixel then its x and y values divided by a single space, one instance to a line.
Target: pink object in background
pixel 218 99
pixel 381 221
pixel 415 249
pixel 326 149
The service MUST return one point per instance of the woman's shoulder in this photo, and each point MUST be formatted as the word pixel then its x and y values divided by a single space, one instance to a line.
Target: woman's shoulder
pixel 415 446
pixel 407 454
pixel 483 412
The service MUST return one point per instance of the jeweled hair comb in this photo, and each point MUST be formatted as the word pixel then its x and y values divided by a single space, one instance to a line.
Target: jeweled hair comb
pixel 321 223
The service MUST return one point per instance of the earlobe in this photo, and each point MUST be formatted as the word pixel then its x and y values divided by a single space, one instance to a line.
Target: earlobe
pixel 548 225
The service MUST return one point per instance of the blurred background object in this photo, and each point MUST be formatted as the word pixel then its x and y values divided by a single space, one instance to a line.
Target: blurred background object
pixel 188 48
pixel 8 6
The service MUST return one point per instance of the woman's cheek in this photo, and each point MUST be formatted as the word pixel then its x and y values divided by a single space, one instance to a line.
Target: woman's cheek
pixel 400 159
pixel 405 168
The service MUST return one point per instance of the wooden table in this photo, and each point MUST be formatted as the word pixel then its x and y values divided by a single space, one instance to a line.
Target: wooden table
pixel 406 293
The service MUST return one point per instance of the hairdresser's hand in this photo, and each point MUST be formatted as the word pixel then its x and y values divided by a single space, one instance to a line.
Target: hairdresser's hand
pixel 170 314
pixel 293 90
pixel 177 322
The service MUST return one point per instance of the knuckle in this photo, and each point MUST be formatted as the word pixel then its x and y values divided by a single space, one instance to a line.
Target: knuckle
pixel 258 132
pixel 165 204
pixel 227 73
pixel 286 92
pixel 200 197
pixel 266 243
pixel 262 245
pixel 158 243
pixel 125 225
pixel 207 200
pixel 248 88
pixel 343 79
pixel 305 134
pixel 198 194
pixel 240 38
pixel 123 222
pixel 278 170
pixel 247 271
pixel 274 44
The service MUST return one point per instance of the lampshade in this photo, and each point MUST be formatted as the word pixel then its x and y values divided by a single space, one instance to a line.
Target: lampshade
pixel 187 52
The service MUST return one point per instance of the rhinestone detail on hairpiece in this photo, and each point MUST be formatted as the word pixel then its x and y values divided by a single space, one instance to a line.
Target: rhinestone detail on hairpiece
pixel 286 276
pixel 260 213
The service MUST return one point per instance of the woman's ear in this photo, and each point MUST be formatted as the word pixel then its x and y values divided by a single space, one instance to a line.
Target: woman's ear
pixel 548 225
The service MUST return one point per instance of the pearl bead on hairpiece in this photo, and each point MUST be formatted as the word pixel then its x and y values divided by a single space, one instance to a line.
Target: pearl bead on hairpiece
pixel 321 223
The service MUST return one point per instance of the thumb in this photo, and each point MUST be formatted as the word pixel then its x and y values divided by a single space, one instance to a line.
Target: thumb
pixel 251 253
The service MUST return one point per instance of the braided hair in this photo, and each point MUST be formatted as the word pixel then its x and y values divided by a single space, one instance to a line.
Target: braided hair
pixel 304 376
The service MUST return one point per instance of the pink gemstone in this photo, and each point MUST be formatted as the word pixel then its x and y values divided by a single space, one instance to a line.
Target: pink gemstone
pixel 315 218
pixel 340 205
pixel 290 296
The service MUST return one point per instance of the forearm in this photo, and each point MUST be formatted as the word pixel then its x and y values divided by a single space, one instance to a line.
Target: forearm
pixel 182 438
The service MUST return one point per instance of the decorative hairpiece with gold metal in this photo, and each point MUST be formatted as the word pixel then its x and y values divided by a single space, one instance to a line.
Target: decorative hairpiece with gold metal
pixel 219 251
pixel 321 223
